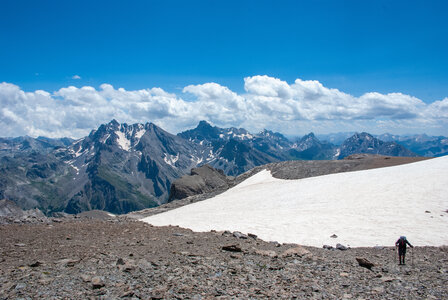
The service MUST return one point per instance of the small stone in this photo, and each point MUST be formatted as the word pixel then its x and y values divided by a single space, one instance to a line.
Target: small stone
pixel 154 264
pixel 316 288
pixel 341 247
pixel 343 274
pixel 328 247
pixel 19 245
pixel 365 263
pixel 275 243
pixel 20 286
pixel 253 236
pixel 35 264
pixel 378 289
pixel 387 279
pixel 127 267
pixel 68 262
pixel 97 282
pixel 44 281
pixel 226 233
pixel 296 251
pixel 85 278
pixel 120 262
pixel 333 236
pixel 239 235
pixel 269 253
pixel 232 248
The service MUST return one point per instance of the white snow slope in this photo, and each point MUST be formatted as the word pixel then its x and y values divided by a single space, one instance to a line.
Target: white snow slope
pixel 363 208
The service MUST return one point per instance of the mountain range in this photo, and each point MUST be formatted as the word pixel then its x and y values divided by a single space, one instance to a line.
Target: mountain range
pixel 121 168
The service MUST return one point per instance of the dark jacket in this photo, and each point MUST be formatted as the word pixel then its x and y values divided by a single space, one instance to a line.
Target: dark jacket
pixel 401 243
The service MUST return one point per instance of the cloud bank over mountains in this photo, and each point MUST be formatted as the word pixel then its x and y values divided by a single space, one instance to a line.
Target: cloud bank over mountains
pixel 268 102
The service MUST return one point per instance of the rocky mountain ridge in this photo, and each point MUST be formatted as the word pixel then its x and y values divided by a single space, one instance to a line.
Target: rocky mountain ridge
pixel 366 143
pixel 121 167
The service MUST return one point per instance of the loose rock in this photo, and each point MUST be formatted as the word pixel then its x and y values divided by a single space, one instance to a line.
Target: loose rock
pixel 365 263
pixel 239 235
pixel 296 251
pixel 341 247
pixel 165 266
pixel 97 282
pixel 232 248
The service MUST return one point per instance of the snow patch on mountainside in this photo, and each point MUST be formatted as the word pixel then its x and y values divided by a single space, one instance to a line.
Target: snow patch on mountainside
pixel 140 133
pixel 122 141
pixel 104 138
pixel 363 208
pixel 171 159
pixel 243 136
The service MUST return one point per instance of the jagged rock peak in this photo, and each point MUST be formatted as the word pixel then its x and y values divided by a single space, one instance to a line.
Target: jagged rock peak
pixel 309 136
pixel 204 124
pixel 270 133
pixel 204 131
pixel 114 122
pixel 362 135
pixel 266 132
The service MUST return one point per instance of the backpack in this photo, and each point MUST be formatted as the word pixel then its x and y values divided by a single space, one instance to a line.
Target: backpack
pixel 402 241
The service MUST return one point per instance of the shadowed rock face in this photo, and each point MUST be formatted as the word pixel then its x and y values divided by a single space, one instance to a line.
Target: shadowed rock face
pixel 127 167
pixel 201 180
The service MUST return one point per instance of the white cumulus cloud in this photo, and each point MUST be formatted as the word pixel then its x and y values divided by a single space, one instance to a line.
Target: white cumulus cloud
pixel 291 108
pixel 76 77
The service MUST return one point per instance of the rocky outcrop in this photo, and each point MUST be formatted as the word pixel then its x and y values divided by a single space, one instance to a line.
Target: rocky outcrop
pixel 10 212
pixel 201 180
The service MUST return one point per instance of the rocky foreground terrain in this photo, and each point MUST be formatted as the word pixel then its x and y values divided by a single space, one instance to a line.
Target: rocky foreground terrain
pixel 102 257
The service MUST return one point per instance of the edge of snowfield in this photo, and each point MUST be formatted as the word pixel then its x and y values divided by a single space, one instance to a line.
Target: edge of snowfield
pixel 363 208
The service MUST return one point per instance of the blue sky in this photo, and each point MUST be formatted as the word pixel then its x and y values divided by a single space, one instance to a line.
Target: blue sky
pixel 354 46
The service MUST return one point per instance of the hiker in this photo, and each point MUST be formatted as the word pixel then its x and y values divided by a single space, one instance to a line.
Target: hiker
pixel 401 244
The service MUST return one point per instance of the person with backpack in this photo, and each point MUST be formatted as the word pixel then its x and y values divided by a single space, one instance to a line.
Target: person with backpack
pixel 401 244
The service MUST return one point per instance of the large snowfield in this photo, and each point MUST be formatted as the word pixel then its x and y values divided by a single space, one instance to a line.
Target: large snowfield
pixel 363 208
